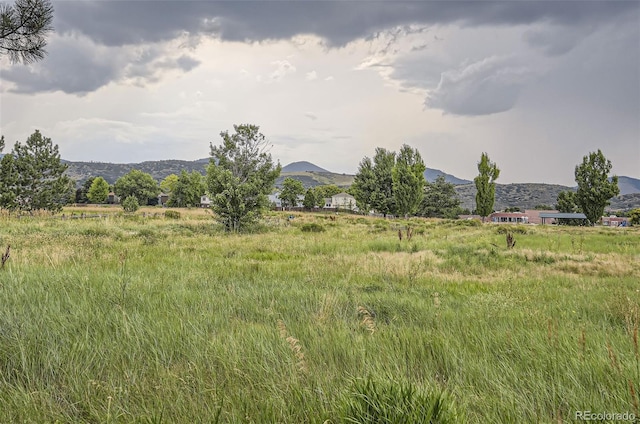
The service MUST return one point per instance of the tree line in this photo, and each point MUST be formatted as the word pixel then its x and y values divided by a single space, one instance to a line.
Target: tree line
pixel 241 174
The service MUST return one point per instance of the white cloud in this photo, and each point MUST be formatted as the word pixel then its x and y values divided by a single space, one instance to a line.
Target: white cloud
pixel 283 68
pixel 312 75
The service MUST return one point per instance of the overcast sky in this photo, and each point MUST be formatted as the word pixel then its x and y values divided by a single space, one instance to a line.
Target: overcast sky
pixel 536 85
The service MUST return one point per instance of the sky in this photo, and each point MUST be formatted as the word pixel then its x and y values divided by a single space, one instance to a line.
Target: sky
pixel 537 85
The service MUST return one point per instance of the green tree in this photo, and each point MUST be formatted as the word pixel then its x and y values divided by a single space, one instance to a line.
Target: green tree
pixel 325 191
pixel 382 199
pixel 8 182
pixel 130 204
pixel 310 200
pixel 240 175
pixel 168 185
pixel 188 189
pixel 1 143
pixel 99 190
pixel 408 181
pixel 634 216
pixel 364 185
pixel 139 184
pixel 291 189
pixel 486 186
pixel 23 29
pixel 594 187
pixel 566 203
pixel 440 200
pixel 33 176
pixel 81 192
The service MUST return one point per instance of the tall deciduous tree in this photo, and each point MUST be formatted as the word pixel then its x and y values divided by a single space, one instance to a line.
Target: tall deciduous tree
pixel 364 185
pixel 594 187
pixel 486 186
pixel 24 28
pixel 291 189
pixel 440 200
pixel 168 185
pixel 240 176
pixel 33 176
pixel 408 180
pixel 138 184
pixel 99 190
pixel 187 190
pixel 382 199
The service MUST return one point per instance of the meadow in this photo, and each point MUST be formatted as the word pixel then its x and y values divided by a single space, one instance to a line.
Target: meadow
pixel 316 319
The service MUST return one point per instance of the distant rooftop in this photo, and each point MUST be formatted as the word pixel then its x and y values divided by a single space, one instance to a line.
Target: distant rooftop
pixel 563 215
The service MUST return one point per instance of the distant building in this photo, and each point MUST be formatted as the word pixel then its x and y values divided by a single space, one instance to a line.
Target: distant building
pixel 163 198
pixel 509 217
pixel 205 202
pixel 341 201
pixel 112 199
pixel 615 221
pixel 534 216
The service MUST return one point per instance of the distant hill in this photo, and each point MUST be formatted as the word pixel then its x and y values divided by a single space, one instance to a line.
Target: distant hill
pixel 303 166
pixel 529 195
pixel 628 185
pixel 81 171
pixel 431 175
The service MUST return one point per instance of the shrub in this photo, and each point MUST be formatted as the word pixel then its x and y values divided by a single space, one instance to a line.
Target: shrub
pixel 312 228
pixel 172 214
pixel 130 204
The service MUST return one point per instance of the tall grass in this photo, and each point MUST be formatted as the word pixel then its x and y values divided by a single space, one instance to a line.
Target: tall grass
pixel 149 319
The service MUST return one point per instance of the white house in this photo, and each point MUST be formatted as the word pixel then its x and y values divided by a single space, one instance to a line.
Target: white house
pixel 205 202
pixel 341 201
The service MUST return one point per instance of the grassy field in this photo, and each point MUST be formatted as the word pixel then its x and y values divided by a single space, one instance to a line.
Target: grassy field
pixel 318 320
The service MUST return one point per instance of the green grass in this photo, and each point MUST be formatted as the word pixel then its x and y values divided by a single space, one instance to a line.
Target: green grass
pixel 154 319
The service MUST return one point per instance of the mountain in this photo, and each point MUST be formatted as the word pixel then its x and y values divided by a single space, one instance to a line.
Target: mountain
pixel 628 185
pixel 431 175
pixel 302 166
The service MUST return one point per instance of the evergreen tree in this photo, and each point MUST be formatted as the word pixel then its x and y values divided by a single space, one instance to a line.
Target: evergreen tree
pixel 486 186
pixel 594 187
pixel 240 176
pixel 440 200
pixel 23 29
pixel 33 176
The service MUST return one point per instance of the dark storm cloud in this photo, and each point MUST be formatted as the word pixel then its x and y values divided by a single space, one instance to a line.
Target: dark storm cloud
pixel 133 22
pixel 77 66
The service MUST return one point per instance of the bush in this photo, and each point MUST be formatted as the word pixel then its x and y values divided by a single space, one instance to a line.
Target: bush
pixel 312 228
pixel 172 214
pixel 130 204
pixel 514 229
